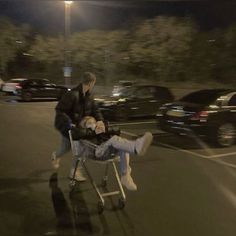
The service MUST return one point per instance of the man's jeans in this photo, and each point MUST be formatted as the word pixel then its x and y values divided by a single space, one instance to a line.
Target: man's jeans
pixel 64 147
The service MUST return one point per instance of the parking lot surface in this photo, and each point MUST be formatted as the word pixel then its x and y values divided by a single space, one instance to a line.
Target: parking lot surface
pixel 185 186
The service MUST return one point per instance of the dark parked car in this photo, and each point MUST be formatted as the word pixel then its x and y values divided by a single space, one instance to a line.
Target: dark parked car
pixel 38 88
pixel 135 101
pixel 209 113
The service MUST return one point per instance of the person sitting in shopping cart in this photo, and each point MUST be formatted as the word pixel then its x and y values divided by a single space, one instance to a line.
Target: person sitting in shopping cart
pixel 108 143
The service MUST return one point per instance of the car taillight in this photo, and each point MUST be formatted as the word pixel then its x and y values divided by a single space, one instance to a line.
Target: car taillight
pixel 201 116
pixel 18 86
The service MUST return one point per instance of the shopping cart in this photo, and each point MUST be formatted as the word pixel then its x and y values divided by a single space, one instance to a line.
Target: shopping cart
pixel 110 162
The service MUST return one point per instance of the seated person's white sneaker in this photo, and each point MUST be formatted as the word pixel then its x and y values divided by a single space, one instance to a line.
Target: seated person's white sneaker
pixel 127 181
pixel 142 144
pixel 78 175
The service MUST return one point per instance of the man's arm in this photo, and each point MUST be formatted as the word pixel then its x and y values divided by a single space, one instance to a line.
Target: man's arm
pixel 63 109
pixel 65 105
pixel 96 113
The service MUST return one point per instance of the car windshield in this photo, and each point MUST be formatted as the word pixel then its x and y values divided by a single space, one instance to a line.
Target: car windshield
pixel 202 97
pixel 126 92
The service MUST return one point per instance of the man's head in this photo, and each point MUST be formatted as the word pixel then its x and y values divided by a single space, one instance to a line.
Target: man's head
pixel 88 81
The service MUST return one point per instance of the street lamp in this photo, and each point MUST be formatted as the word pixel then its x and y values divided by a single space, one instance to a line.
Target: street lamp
pixel 67 56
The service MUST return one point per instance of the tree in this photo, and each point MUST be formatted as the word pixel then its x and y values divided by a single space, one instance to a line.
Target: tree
pixel 100 51
pixel 12 40
pixel 161 46
pixel 48 49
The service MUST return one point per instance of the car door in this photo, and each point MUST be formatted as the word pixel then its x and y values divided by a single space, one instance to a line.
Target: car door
pixel 33 87
pixel 232 106
pixel 150 98
pixel 48 89
pixel 140 102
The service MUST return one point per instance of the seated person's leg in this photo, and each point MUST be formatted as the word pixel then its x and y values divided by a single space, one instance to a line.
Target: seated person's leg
pixel 79 152
pixel 138 146
pixel 125 170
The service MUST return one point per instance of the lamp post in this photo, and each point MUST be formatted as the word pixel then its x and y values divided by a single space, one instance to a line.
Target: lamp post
pixel 67 55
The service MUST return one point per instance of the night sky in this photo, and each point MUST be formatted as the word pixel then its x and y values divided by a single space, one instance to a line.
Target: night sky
pixel 47 16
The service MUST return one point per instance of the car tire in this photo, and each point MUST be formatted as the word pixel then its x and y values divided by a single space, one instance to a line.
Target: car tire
pixel 27 96
pixel 225 135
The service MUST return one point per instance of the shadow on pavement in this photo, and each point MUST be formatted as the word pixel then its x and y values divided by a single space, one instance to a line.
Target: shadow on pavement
pixel 72 222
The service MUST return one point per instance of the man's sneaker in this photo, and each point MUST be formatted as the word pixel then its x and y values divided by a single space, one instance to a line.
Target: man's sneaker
pixel 55 161
pixel 142 144
pixel 78 175
pixel 127 181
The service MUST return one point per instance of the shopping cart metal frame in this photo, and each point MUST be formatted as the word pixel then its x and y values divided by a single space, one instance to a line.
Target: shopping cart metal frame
pixel 112 161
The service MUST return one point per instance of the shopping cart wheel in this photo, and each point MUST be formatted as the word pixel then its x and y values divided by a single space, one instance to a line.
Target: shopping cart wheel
pixel 121 203
pixel 104 183
pixel 100 207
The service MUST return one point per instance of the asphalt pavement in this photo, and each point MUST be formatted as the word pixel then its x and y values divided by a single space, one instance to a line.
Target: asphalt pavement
pixel 185 187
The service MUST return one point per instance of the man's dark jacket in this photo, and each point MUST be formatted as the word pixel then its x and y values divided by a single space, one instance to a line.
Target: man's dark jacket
pixel 72 107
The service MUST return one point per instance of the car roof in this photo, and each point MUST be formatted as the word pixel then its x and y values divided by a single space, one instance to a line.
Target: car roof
pixel 17 79
pixel 148 85
pixel 214 91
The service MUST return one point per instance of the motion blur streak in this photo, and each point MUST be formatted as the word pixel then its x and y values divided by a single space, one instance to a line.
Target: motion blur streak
pixel 230 196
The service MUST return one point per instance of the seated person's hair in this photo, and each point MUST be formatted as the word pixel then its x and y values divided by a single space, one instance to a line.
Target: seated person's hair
pixel 90 122
pixel 87 122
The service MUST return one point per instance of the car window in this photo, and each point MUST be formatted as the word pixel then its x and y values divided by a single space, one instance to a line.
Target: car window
pixel 44 82
pixel 163 93
pixel 33 83
pixel 127 92
pixel 145 92
pixel 203 97
pixel 232 101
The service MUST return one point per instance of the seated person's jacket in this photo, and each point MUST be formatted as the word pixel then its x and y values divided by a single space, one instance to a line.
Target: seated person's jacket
pixel 88 134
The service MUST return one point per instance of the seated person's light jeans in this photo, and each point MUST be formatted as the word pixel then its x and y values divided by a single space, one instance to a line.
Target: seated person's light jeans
pixel 104 151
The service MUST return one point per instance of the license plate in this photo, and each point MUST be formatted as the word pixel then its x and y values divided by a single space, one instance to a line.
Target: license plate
pixel 175 113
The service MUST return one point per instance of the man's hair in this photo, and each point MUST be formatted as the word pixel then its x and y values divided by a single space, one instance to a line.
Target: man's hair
pixel 88 78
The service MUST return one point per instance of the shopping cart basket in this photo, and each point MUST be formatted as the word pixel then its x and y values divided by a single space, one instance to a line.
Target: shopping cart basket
pixel 110 162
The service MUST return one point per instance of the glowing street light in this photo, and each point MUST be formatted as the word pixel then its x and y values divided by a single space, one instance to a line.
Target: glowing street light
pixel 68 2
pixel 67 59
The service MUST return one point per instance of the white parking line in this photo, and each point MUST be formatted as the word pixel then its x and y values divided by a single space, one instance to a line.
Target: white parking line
pixel 169 146
pixel 211 157
pixel 185 151
pixel 224 155
pixel 134 123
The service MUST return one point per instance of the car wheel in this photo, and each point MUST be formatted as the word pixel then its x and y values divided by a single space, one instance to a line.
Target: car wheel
pixel 225 135
pixel 27 96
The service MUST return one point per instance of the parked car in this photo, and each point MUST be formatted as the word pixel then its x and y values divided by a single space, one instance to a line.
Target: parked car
pixel 11 85
pixel 135 101
pixel 38 88
pixel 208 113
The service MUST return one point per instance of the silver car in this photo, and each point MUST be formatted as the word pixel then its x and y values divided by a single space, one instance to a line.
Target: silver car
pixel 11 85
